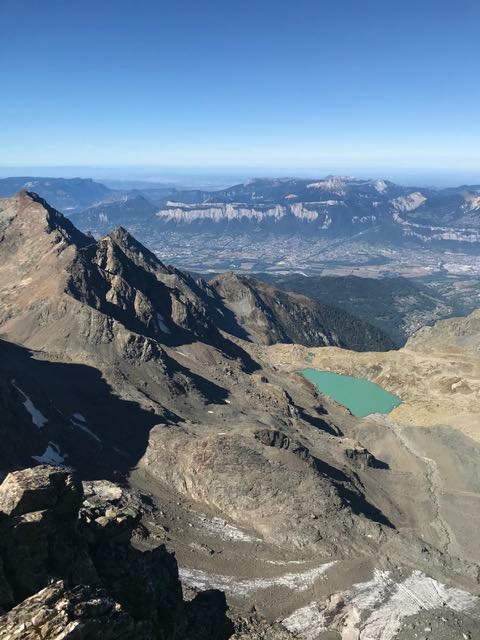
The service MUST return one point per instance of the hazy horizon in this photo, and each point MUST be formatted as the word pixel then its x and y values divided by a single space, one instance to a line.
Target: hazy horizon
pixel 226 176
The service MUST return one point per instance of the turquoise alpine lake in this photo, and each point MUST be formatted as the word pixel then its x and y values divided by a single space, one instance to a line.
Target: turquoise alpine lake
pixel 360 396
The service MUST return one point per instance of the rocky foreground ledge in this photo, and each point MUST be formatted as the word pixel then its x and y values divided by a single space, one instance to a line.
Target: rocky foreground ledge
pixel 69 570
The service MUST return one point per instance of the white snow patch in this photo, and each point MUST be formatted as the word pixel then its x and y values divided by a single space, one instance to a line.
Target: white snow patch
pixel 79 421
pixel 38 419
pixel 51 455
pixel 237 587
pixel 161 324
pixel 283 563
pixel 374 610
pixel 418 592
pixel 366 595
pixel 307 622
pixel 380 185
pixel 224 530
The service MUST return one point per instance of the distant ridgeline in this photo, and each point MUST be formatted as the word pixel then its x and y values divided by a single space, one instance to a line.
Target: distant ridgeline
pixel 330 207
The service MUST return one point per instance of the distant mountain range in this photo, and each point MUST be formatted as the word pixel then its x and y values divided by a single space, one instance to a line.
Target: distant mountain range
pixel 66 194
pixel 328 208
pixel 333 207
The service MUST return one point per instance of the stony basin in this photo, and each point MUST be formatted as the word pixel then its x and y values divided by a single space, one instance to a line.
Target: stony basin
pixel 360 396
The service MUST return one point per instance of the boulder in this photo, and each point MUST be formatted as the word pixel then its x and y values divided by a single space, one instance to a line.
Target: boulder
pixel 39 537
pixel 40 488
pixel 279 440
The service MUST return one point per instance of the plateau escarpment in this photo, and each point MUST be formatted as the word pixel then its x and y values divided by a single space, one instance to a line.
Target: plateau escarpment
pixel 336 206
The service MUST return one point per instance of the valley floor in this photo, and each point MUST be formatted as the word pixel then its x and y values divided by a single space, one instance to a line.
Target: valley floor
pixel 431 483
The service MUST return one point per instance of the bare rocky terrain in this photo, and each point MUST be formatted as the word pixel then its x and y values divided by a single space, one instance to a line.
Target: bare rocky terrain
pixel 313 523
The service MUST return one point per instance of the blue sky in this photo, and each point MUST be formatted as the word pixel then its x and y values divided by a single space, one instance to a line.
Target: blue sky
pixel 291 84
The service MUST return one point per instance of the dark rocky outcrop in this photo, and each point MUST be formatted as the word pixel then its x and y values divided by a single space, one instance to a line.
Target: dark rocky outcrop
pixel 279 440
pixel 253 627
pixel 39 490
pixel 363 458
pixel 39 536
pixel 77 570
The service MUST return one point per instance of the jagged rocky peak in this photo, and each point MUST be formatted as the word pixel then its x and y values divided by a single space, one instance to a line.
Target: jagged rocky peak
pixel 37 245
pixel 29 214
pixel 136 251
pixel 114 276
pixel 49 267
